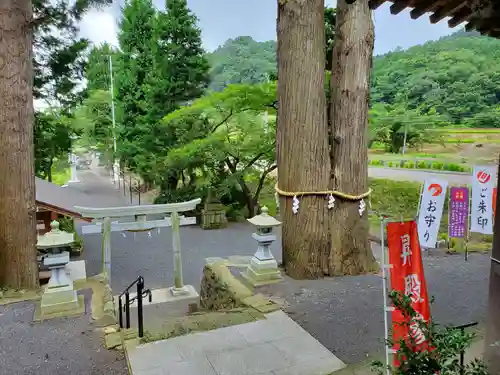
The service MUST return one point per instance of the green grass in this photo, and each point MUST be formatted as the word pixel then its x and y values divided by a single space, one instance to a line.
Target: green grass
pixel 61 177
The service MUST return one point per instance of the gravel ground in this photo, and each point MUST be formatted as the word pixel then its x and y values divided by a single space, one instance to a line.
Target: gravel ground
pixel 59 346
pixel 346 315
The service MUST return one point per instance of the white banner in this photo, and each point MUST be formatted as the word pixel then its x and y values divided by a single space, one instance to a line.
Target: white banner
pixel 431 211
pixel 481 211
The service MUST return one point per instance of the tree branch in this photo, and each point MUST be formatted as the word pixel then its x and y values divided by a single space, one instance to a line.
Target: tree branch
pixel 222 122
pixel 262 180
pixel 253 161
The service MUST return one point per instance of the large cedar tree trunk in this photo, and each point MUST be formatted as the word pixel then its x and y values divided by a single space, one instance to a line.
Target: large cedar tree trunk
pixel 18 267
pixel 350 91
pixel 302 141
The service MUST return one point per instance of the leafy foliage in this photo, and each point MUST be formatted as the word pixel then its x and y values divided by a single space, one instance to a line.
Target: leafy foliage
pixel 243 60
pixel 445 345
pixel 457 76
pixel 52 140
pixel 58 63
pixel 234 139
pixel 390 124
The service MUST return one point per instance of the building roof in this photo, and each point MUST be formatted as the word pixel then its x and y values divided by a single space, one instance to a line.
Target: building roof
pixel 480 15
pixel 59 199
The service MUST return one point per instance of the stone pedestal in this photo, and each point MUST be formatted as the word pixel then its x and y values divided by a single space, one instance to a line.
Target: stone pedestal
pixel 59 295
pixel 263 268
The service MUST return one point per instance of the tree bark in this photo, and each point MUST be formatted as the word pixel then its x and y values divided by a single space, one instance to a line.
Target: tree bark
pixel 350 89
pixel 302 135
pixel 17 178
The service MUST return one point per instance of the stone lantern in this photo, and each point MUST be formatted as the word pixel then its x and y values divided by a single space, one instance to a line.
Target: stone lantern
pixel 59 294
pixel 263 268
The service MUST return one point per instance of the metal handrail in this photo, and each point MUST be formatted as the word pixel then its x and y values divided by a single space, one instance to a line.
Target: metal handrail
pixel 141 293
pixel 462 327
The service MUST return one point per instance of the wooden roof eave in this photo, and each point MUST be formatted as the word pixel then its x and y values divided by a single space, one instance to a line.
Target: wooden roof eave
pixel 62 211
pixel 483 16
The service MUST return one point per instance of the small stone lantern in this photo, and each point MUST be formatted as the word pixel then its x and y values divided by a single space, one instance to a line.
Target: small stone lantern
pixel 59 294
pixel 263 268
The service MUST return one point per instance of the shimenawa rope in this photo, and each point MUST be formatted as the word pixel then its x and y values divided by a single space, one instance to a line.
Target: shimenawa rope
pixel 335 193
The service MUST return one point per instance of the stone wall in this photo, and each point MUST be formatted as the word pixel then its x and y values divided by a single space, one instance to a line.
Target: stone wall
pixel 220 289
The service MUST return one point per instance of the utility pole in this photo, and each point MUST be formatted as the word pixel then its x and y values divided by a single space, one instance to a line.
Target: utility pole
pixel 404 139
pixel 492 339
pixel 116 165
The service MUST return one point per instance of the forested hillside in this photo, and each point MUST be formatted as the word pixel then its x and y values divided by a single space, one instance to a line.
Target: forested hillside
pixel 242 60
pixel 457 76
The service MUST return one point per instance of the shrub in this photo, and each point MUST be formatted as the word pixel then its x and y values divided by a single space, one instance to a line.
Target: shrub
pixel 454 167
pixel 437 166
pixel 402 163
pixel 447 344
pixel 421 165
pixel 376 162
pixel 390 164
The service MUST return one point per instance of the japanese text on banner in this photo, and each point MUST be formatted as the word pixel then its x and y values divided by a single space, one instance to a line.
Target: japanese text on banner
pixel 431 211
pixel 481 213
pixel 407 277
pixel 458 212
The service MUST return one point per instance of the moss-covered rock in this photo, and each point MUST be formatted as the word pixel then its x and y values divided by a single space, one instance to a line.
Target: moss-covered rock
pixel 220 289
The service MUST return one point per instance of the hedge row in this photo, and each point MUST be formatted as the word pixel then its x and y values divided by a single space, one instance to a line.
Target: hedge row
pixel 408 164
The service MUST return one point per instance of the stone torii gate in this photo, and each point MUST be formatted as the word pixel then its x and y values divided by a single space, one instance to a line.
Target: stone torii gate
pixel 141 224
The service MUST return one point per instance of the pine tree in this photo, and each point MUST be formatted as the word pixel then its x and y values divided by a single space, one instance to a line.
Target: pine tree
pixel 180 68
pixel 97 69
pixel 134 63
pixel 180 74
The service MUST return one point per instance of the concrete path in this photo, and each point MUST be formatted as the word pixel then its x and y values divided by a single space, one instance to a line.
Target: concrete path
pixel 274 346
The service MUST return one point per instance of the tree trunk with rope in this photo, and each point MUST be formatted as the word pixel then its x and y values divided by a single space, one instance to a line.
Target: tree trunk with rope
pixel 18 267
pixel 302 136
pixel 350 89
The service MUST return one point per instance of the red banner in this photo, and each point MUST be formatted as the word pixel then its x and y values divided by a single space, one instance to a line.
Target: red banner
pixel 407 277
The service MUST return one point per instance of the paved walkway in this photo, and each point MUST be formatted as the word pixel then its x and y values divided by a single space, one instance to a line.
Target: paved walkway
pixel 274 346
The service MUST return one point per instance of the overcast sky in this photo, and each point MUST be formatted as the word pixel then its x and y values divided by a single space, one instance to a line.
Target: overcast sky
pixel 223 19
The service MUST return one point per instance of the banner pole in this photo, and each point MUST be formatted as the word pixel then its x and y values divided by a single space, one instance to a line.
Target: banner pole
pixel 467 235
pixel 420 199
pixel 384 292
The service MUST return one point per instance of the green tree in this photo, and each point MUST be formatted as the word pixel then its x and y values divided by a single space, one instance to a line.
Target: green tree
pixel 59 63
pixel 93 121
pixel 133 65
pixel 52 134
pixel 180 68
pixel 390 125
pixel 225 137
pixel 97 70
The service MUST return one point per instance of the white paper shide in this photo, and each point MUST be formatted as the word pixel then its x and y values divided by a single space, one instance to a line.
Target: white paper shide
pixel 481 211
pixel 431 211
